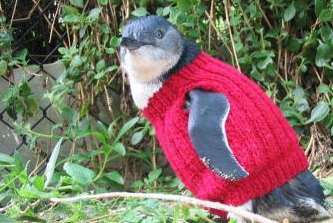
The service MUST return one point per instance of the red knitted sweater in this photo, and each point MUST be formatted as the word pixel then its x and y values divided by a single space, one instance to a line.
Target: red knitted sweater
pixel 260 137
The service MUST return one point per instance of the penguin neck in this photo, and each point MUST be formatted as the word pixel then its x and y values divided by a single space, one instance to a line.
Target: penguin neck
pixel 143 91
pixel 190 52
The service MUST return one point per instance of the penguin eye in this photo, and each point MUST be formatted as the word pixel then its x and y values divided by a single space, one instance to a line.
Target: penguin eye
pixel 159 34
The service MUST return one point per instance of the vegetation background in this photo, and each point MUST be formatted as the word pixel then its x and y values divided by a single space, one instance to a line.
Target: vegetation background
pixel 285 46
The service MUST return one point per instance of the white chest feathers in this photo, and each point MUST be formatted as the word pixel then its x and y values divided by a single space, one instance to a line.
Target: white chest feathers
pixel 144 66
pixel 147 63
pixel 142 91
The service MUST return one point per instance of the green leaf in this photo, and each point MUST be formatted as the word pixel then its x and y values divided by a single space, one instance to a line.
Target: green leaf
pixel 103 2
pixel 107 149
pixel 30 191
pixel 79 173
pixel 52 162
pixel 140 12
pixel 94 14
pixel 137 137
pixel 4 195
pixel 110 51
pixel 294 44
pixel 115 41
pixel 264 63
pixel 302 105
pixel 101 137
pixel 100 65
pixel 21 55
pixel 24 89
pixel 5 219
pixel 76 61
pixel 154 175
pixel 111 68
pixel 111 128
pixel 323 88
pixel 137 185
pixel 289 13
pixel 6 39
pixel 319 5
pixel 115 177
pixel 319 112
pixel 3 67
pixel 4 158
pixel 326 15
pixel 99 75
pixel 104 28
pixel 185 5
pixel 77 3
pixel 70 10
pixel 326 33
pixel 127 126
pixel 298 92
pixel 39 182
pixel 72 19
pixel 30 218
pixel 166 11
pixel 119 148
pixel 2 19
pixel 324 54
pixel 232 220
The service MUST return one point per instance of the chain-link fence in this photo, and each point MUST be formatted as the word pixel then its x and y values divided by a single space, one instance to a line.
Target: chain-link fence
pixel 34 28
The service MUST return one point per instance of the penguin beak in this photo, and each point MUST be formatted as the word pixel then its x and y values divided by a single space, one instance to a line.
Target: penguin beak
pixel 131 44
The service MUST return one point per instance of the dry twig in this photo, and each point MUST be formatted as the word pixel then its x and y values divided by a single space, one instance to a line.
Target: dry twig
pixel 54 19
pixel 175 198
pixel 13 14
pixel 226 10
pixel 211 22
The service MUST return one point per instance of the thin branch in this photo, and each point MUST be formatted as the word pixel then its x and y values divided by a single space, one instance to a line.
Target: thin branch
pixel 45 17
pixel 108 101
pixel 28 71
pixel 175 198
pixel 226 3
pixel 6 207
pixel 55 17
pixel 286 65
pixel 211 22
pixel 264 15
pixel 29 14
pixel 37 167
pixel 13 14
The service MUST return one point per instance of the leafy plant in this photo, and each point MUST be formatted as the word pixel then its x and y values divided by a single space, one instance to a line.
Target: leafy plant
pixel 19 100
pixel 285 46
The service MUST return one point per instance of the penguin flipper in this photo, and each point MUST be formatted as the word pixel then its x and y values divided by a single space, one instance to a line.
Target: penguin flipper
pixel 208 112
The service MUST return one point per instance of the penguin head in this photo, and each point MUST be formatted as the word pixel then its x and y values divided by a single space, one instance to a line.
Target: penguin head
pixel 150 47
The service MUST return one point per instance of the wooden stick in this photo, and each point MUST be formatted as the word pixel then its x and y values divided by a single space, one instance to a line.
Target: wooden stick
pixel 54 19
pixel 168 197
pixel 226 10
pixel 29 14
pixel 211 22
pixel 13 14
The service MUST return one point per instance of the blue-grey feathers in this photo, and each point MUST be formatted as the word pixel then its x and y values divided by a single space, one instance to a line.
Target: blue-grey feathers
pixel 155 31
pixel 208 112
pixel 299 200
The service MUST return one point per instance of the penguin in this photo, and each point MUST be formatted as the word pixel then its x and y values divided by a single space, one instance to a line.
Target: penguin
pixel 222 135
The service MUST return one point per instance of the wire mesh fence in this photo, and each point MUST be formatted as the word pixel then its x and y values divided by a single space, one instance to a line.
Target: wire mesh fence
pixel 34 27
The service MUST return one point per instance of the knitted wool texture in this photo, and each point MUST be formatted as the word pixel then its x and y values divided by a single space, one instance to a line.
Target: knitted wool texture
pixel 260 137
